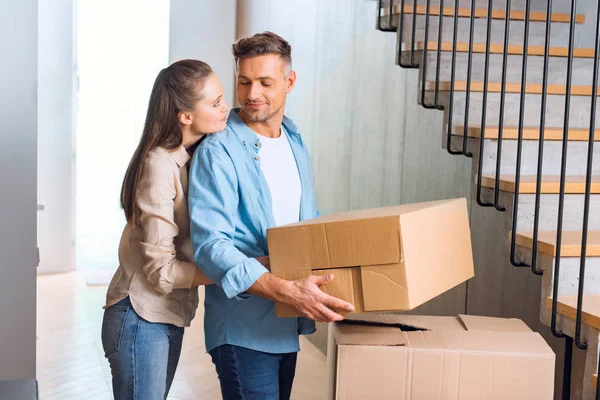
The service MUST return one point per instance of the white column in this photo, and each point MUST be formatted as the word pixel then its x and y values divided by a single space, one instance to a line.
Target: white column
pixel 18 182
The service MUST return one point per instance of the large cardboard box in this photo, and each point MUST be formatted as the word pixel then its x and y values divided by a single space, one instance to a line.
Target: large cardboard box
pixel 383 259
pixel 414 357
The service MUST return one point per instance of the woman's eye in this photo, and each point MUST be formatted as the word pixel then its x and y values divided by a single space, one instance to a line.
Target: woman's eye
pixel 217 104
pixel 244 83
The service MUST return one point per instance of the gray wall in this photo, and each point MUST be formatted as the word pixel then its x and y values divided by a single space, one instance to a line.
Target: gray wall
pixel 56 86
pixel 371 144
pixel 18 167
pixel 205 30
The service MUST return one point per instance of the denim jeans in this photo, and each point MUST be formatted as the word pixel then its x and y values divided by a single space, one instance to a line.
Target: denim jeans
pixel 253 375
pixel 143 356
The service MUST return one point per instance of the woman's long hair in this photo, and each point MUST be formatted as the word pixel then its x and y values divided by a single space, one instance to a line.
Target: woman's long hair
pixel 176 88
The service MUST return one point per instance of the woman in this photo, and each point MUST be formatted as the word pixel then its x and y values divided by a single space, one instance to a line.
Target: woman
pixel 154 292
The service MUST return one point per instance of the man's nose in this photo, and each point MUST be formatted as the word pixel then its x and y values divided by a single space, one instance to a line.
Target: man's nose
pixel 254 92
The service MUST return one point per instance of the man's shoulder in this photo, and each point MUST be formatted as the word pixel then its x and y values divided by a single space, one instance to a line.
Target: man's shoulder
pixel 218 141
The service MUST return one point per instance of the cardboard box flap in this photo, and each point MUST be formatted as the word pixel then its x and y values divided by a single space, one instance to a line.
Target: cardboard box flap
pixel 477 323
pixel 356 333
pixel 371 213
pixel 422 322
pixel 481 342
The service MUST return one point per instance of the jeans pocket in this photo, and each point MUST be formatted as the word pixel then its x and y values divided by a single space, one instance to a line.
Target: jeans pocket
pixel 113 324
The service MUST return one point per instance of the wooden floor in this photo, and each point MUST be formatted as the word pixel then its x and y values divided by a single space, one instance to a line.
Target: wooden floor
pixel 71 363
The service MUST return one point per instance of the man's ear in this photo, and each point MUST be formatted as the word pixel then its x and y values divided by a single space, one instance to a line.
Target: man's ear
pixel 184 118
pixel 291 81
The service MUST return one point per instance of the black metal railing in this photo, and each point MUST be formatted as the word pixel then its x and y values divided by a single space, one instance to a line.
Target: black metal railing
pixel 502 104
pixel 435 105
pixel 513 241
pixel 540 161
pixel 578 337
pixel 452 81
pixel 486 74
pixel 390 27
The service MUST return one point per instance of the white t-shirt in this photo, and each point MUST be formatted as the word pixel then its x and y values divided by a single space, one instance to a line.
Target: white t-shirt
pixel 278 165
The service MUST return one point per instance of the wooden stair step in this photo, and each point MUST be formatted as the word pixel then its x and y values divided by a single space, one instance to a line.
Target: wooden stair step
pixel 570 243
pixel 498 48
pixel 529 133
pixel 515 15
pixel 512 88
pixel 550 184
pixel 567 306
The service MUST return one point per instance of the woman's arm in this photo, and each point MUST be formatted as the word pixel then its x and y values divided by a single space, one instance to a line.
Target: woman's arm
pixel 156 201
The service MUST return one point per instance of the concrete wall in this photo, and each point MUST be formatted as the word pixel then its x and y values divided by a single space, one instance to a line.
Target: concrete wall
pixel 56 92
pixel 18 169
pixel 205 30
pixel 371 144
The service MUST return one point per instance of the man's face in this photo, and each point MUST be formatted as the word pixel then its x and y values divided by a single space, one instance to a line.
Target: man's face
pixel 263 83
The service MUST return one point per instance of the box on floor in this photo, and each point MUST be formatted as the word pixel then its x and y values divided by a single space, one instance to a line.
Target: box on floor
pixel 406 357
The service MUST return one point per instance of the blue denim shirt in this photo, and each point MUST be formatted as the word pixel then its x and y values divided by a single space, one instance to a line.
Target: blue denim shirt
pixel 230 211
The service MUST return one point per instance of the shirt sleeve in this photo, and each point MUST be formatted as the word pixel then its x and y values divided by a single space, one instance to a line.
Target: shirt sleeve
pixel 156 201
pixel 213 201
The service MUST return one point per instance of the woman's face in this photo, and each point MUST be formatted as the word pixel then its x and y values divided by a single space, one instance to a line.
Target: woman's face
pixel 210 115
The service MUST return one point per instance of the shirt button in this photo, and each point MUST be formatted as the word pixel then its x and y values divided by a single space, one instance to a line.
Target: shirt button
pixel 256 158
pixel 256 144
pixel 244 142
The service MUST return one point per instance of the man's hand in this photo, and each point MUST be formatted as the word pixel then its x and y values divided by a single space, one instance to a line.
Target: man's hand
pixel 303 294
pixel 306 297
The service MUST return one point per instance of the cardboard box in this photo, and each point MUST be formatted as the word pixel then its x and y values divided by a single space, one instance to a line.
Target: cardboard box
pixel 413 357
pixel 383 259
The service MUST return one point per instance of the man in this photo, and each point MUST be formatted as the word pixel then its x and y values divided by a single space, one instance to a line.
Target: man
pixel 251 177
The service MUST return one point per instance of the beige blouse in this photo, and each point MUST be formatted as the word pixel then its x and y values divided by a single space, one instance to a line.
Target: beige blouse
pixel 156 259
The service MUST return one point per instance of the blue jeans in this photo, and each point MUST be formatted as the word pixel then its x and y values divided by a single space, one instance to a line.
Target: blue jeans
pixel 248 374
pixel 143 356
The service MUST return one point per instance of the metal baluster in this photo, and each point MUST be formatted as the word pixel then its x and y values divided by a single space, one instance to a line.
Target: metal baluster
pixel 413 64
pixel 563 173
pixel 389 27
pixel 438 60
pixel 400 38
pixel 424 66
pixel 452 78
pixel 538 187
pixel 588 185
pixel 502 101
pixel 488 39
pixel 469 73
pixel 513 240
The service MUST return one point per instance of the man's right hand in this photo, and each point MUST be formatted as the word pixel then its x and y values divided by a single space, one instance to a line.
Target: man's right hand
pixel 303 294
pixel 306 297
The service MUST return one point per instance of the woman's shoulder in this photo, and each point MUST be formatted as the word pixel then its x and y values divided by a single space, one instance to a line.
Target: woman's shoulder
pixel 160 154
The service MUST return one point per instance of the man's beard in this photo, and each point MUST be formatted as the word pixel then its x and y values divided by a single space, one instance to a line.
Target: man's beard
pixel 259 118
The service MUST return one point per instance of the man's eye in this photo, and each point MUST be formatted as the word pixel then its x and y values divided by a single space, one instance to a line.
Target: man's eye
pixel 244 83
pixel 266 84
pixel 217 104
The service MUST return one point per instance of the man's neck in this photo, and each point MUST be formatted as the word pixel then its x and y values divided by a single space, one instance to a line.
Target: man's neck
pixel 270 128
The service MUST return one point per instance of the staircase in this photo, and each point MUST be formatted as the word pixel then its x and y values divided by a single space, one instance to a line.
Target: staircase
pixel 504 106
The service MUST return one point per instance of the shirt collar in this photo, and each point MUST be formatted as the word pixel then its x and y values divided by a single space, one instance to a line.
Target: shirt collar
pixel 180 155
pixel 247 134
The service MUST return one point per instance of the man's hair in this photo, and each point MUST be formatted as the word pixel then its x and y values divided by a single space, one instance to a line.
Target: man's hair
pixel 262 44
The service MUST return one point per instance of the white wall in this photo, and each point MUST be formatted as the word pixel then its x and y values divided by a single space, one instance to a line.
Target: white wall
pixel 18 168
pixel 56 183
pixel 205 30
pixel 119 58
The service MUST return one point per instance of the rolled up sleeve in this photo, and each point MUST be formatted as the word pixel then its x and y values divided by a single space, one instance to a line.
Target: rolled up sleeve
pixel 213 201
